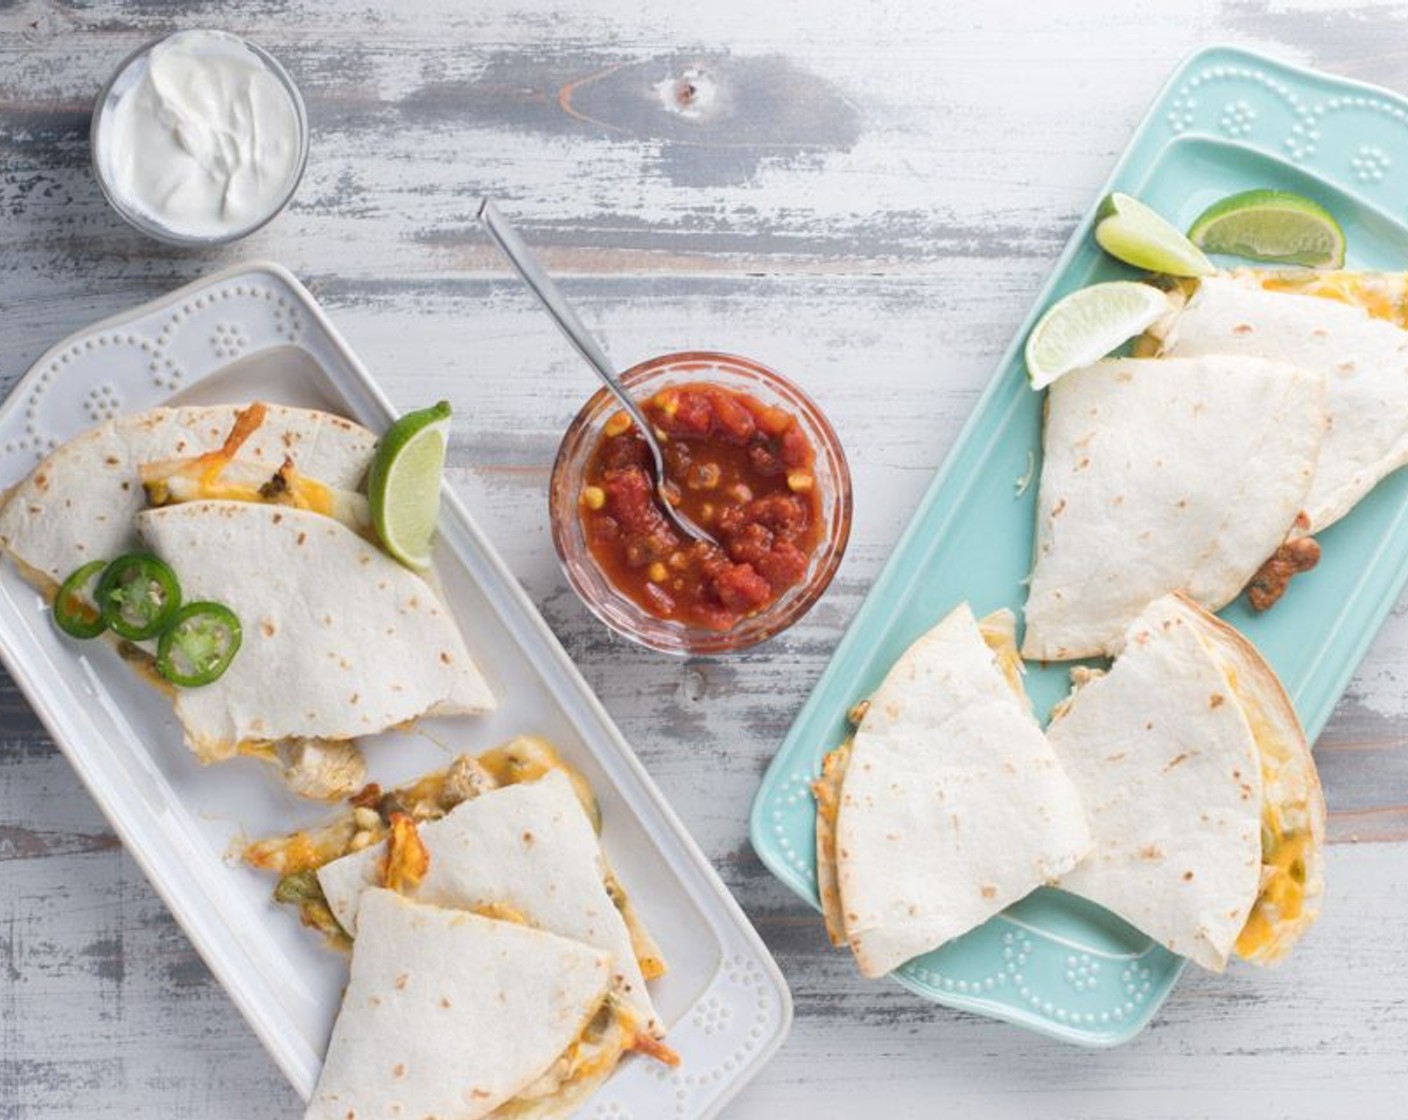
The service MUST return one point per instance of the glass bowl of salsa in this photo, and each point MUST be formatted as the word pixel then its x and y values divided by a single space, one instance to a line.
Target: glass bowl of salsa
pixel 749 457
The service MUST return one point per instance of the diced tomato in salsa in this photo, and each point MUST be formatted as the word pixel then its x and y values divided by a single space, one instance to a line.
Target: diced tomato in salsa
pixel 741 469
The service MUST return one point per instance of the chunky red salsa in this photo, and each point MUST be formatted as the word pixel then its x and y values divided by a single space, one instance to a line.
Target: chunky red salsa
pixel 741 469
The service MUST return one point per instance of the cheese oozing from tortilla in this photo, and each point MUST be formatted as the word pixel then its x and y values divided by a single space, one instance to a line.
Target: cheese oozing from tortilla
pixel 81 502
pixel 1201 791
pixel 450 1014
pixel 1383 295
pixel 1293 809
pixel 1346 327
pixel 946 769
pixel 221 475
pixel 999 633
pixel 528 846
pixel 525 759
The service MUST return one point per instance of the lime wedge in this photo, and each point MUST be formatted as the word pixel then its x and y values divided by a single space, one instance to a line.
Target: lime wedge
pixel 1271 226
pixel 1087 325
pixel 403 486
pixel 1131 232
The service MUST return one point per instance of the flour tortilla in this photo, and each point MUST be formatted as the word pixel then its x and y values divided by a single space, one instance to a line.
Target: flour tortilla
pixel 528 846
pixel 1364 361
pixel 1182 752
pixel 80 502
pixel 1163 475
pixel 448 1014
pixel 952 806
pixel 1293 806
pixel 340 641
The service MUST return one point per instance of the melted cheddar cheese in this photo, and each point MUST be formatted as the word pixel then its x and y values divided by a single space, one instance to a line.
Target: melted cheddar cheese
pixel 590 1059
pixel 1279 915
pixel 221 476
pixel 500 912
pixel 1384 295
pixel 406 860
pixel 827 791
pixel 523 759
pixel 1281 898
pixel 999 631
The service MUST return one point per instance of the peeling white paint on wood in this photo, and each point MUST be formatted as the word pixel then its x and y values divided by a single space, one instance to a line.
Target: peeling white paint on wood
pixel 868 202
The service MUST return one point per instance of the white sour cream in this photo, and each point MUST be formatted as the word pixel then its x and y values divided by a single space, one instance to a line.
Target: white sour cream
pixel 200 137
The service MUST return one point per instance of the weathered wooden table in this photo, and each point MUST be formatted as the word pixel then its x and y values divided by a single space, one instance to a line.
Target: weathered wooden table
pixel 865 195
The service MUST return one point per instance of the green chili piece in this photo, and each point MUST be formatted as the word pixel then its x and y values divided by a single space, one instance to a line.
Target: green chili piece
pixel 138 595
pixel 76 613
pixel 198 645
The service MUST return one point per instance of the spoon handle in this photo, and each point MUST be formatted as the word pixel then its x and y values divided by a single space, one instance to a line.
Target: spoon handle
pixel 526 265
pixel 542 286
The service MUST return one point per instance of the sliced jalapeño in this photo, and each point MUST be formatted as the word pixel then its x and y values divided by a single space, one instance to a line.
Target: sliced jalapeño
pixel 198 644
pixel 76 611
pixel 138 595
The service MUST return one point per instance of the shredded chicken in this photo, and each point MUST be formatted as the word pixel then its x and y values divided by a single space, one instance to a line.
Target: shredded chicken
pixel 465 780
pixel 322 769
pixel 1292 558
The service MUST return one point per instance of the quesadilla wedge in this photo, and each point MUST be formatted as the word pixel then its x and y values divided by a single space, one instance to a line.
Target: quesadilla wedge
pixel 527 849
pixel 462 1017
pixel 1163 475
pixel 946 805
pixel 1201 792
pixel 1347 327
pixel 80 503
pixel 80 507
pixel 340 641
pixel 511 832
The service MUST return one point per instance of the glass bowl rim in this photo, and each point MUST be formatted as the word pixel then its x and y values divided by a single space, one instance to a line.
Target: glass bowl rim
pixel 153 229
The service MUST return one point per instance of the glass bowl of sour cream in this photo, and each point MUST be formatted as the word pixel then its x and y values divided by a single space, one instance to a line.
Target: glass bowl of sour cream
pixel 199 138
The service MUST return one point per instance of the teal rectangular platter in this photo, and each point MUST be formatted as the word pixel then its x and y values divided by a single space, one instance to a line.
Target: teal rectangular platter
pixel 1228 120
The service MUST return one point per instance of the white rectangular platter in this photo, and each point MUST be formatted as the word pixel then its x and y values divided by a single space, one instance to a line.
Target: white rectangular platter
pixel 254 332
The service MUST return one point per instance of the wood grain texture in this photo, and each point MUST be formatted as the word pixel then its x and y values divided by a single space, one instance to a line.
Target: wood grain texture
pixel 865 195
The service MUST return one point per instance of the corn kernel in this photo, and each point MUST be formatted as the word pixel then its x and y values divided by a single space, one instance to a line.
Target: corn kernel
pixel 799 481
pixel 618 423
pixel 662 436
pixel 668 402
pixel 593 497
pixel 679 561
pixel 740 492
pixel 703 476
pixel 657 572
pixel 706 512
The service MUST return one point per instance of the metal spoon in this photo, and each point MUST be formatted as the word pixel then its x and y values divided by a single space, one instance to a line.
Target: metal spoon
pixel 542 286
